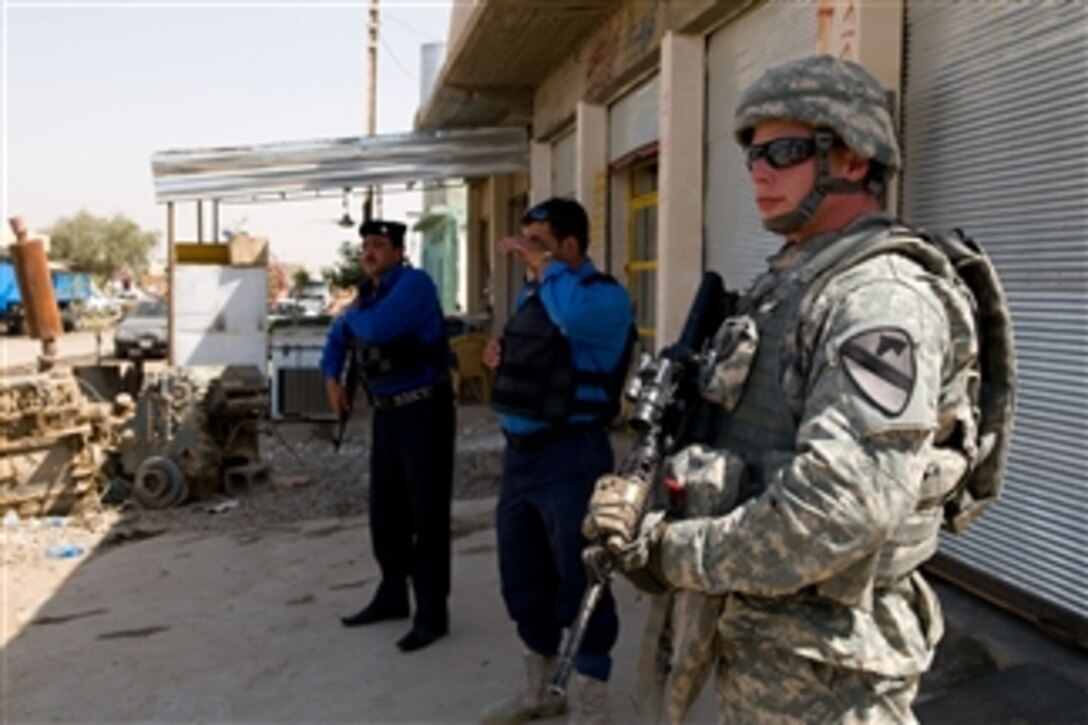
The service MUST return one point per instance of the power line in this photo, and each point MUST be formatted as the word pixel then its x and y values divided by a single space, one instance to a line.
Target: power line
pixel 396 60
pixel 407 26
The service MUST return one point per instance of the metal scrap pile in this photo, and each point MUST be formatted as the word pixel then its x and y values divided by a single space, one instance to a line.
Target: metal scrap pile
pixel 194 432
pixel 52 444
pixel 189 434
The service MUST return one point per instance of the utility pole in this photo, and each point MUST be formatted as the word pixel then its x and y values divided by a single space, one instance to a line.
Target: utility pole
pixel 373 203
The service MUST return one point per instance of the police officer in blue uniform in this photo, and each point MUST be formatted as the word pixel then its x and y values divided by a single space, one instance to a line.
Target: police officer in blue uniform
pixel 396 329
pixel 560 367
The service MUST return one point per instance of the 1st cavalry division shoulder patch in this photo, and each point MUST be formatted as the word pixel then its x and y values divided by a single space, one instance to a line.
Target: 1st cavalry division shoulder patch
pixel 881 363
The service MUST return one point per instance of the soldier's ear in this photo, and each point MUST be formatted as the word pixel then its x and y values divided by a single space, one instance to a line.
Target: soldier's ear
pixel 854 167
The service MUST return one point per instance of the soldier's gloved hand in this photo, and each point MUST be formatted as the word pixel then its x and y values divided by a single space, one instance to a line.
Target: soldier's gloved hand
pixel 614 511
pixel 640 560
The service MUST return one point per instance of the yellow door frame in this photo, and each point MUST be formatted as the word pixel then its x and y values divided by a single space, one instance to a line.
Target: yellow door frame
pixel 638 202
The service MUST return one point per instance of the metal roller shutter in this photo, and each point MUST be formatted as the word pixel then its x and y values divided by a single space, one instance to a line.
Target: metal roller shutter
pixel 737 246
pixel 996 142
pixel 563 166
pixel 632 120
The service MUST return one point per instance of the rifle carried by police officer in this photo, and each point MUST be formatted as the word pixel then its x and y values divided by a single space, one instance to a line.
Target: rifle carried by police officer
pixel 665 412
pixel 351 382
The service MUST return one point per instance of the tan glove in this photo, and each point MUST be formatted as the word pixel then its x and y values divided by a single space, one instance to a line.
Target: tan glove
pixel 615 511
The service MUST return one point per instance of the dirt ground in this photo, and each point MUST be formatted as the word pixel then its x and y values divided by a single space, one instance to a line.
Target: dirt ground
pixel 307 481
pixel 190 615
pixel 193 616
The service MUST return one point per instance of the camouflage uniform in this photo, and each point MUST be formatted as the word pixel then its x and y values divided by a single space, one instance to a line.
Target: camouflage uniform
pixel 846 392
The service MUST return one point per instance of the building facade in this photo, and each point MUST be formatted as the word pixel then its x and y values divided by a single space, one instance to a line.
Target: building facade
pixel 630 110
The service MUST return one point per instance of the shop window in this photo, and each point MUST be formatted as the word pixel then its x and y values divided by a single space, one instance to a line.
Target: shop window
pixel 641 265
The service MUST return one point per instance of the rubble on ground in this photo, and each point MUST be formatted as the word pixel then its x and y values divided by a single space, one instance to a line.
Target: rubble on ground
pixel 53 444
pixel 306 480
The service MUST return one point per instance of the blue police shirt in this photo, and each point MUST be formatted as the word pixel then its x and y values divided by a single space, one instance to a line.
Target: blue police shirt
pixel 595 318
pixel 404 304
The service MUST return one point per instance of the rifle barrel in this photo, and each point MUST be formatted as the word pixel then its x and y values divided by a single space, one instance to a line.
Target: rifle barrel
pixel 351 381
pixel 577 632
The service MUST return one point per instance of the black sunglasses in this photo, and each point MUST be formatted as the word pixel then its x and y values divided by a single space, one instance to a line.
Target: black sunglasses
pixel 782 153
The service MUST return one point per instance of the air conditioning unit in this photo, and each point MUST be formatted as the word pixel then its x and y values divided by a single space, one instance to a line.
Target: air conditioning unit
pixel 302 393
pixel 298 387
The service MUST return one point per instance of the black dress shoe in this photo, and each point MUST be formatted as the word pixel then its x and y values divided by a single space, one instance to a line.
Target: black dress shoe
pixel 422 635
pixel 374 612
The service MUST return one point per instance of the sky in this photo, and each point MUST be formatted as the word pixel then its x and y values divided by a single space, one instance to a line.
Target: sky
pixel 91 90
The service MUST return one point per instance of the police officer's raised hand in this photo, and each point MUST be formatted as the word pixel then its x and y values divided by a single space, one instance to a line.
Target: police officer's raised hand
pixel 337 395
pixel 534 254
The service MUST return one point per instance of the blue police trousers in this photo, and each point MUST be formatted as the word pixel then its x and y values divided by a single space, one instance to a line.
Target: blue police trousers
pixel 539 521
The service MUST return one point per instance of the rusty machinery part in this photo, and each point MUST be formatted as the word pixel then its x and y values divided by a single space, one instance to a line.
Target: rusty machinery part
pixel 159 484
pixel 197 456
pixel 204 419
pixel 36 285
pixel 52 444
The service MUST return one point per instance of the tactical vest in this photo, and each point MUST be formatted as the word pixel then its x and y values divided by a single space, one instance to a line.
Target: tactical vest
pixel 537 377
pixel 399 360
pixel 965 473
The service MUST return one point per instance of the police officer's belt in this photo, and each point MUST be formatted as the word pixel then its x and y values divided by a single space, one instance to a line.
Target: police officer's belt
pixel 401 399
pixel 535 441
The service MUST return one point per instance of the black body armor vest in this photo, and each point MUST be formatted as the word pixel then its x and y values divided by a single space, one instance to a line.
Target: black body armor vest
pixel 537 377
pixel 402 359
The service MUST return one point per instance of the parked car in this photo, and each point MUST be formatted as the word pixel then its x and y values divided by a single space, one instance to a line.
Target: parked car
pixel 288 310
pixel 143 332
pixel 314 299
pixel 100 304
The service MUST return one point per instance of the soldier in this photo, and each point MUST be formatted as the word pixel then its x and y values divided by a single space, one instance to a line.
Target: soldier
pixel 397 331
pixel 560 366
pixel 845 387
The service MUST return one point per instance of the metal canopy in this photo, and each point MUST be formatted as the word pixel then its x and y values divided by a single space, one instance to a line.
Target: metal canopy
pixel 277 170
pixel 505 51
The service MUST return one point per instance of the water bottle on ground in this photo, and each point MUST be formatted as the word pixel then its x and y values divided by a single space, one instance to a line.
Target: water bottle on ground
pixel 64 551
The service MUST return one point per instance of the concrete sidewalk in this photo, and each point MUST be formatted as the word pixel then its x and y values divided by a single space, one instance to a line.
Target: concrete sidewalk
pixel 244 627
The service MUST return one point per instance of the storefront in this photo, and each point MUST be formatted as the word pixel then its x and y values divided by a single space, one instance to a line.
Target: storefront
pixel 633 182
pixel 992 105
pixel 737 246
pixel 995 141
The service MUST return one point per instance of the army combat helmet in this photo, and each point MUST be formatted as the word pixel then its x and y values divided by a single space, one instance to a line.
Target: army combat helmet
pixel 843 103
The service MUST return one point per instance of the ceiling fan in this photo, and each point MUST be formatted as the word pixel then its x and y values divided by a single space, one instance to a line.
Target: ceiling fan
pixel 345 219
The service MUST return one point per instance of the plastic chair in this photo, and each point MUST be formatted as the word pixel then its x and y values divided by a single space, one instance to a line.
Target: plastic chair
pixel 470 375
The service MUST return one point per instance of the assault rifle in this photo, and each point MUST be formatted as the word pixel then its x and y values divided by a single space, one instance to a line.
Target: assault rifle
pixel 351 382
pixel 665 395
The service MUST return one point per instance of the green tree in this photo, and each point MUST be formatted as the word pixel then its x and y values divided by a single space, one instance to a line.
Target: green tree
pixel 346 273
pixel 101 246
pixel 299 279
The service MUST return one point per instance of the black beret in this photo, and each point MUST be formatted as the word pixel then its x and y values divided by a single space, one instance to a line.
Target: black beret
pixel 393 230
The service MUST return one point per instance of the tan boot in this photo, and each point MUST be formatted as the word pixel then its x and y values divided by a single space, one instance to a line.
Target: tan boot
pixel 534 701
pixel 589 701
